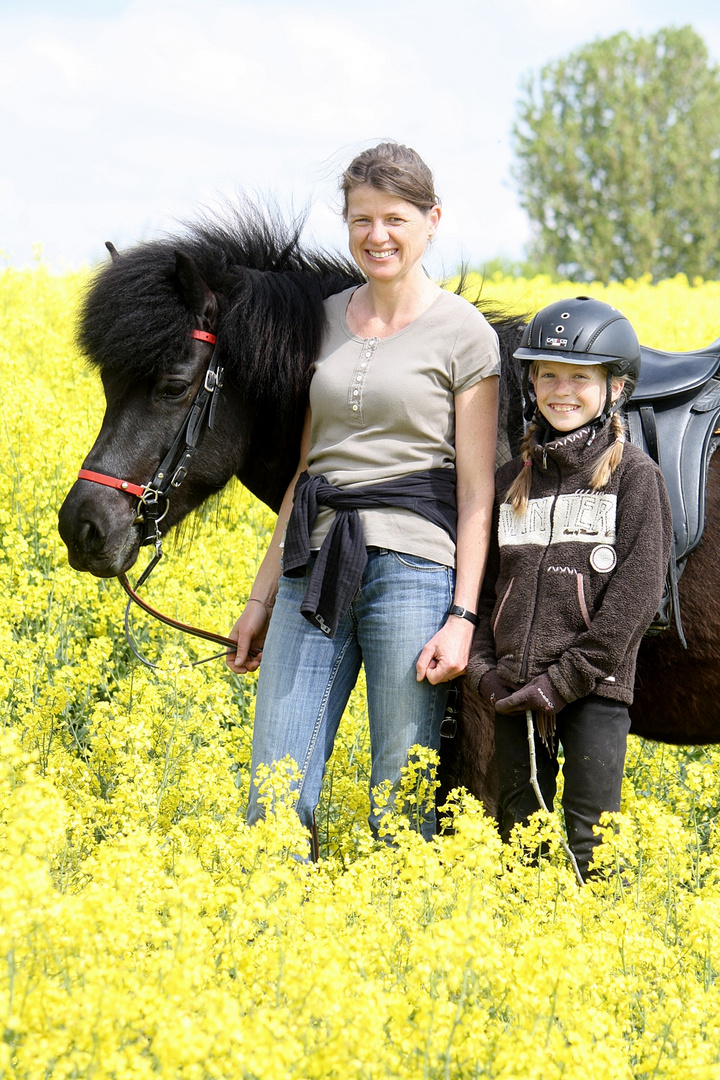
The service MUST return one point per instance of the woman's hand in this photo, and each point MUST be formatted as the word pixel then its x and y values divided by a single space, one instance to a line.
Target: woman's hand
pixel 446 654
pixel 249 632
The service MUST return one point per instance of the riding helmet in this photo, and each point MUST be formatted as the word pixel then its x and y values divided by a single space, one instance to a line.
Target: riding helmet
pixel 582 331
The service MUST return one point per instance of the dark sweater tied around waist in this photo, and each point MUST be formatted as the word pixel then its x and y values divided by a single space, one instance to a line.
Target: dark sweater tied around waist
pixel 338 569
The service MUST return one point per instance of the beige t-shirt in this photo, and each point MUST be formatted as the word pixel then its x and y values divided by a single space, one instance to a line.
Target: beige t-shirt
pixel 384 407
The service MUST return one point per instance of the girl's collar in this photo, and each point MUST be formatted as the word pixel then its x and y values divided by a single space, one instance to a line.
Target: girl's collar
pixel 548 435
pixel 569 446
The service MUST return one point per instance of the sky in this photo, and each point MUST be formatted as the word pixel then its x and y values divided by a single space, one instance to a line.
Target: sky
pixel 120 119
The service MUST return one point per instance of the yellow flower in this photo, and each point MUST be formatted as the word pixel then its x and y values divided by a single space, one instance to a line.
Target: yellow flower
pixel 145 930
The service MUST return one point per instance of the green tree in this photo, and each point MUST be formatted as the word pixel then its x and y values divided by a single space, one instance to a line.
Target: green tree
pixel 618 149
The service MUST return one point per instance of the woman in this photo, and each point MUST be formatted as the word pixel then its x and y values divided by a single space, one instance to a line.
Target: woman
pixel 401 425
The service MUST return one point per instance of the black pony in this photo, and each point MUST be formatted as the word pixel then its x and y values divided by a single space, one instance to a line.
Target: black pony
pixel 250 282
pixel 145 325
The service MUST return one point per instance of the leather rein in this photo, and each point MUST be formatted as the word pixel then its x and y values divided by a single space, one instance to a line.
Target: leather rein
pixel 154 498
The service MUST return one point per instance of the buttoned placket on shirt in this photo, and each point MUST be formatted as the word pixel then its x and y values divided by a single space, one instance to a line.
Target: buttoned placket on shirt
pixel 355 389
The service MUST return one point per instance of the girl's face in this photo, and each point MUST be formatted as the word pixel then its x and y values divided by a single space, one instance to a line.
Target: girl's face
pixel 571 395
pixel 387 235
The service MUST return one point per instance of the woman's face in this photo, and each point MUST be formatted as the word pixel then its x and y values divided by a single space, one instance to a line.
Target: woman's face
pixel 387 235
pixel 571 395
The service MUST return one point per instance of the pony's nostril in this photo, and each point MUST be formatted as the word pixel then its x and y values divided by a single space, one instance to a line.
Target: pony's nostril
pixel 89 537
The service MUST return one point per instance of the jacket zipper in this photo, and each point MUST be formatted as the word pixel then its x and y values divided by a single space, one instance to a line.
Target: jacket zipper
pixel 526 650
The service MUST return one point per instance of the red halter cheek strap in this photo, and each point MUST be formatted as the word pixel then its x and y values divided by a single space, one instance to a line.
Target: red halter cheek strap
pixel 125 485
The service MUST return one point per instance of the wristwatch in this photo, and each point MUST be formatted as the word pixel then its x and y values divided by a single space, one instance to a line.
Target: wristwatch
pixel 463 613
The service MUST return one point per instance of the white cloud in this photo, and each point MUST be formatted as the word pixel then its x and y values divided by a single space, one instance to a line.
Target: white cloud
pixel 267 71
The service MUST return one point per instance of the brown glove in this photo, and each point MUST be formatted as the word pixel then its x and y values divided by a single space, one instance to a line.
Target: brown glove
pixel 540 694
pixel 491 688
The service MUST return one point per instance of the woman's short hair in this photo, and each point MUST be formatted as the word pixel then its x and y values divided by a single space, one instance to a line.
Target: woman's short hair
pixel 393 168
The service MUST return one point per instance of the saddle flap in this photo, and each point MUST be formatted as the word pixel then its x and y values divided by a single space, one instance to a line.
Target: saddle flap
pixel 664 374
pixel 681 435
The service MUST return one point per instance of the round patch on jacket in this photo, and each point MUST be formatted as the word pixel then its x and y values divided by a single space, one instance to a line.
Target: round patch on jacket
pixel 603 558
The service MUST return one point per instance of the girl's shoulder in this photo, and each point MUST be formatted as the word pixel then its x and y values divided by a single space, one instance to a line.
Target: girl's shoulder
pixel 641 482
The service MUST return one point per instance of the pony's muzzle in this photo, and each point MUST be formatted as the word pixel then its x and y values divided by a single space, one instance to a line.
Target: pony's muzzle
pixel 98 529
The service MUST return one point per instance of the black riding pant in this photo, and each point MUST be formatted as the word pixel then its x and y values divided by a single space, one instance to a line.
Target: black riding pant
pixel 593 734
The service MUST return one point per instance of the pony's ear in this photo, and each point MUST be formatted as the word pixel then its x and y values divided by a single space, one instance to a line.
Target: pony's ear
pixel 193 290
pixel 114 254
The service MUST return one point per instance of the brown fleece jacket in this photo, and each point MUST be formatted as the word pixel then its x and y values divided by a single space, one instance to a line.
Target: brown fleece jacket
pixel 573 583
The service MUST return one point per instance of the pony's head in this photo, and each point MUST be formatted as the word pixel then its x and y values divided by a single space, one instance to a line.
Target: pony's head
pixel 147 325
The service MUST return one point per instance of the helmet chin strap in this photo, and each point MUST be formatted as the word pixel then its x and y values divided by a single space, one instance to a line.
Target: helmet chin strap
pixel 611 407
pixel 608 408
pixel 530 408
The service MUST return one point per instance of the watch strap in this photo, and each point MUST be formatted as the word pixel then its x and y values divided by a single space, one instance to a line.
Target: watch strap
pixel 463 613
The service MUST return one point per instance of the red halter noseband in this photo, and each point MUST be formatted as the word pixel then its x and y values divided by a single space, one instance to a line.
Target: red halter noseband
pixel 112 482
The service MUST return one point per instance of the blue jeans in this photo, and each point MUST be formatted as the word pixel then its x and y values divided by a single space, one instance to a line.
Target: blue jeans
pixel 306 679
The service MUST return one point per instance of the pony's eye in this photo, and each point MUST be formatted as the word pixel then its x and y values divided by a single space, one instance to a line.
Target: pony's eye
pixel 173 389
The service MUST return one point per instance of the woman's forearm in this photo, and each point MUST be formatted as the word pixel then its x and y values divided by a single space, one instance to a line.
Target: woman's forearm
pixel 475 445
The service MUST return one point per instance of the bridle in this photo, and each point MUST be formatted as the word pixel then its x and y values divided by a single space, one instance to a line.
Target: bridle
pixel 154 497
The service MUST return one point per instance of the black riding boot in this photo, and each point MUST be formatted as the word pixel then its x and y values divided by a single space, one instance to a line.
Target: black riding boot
pixel 593 734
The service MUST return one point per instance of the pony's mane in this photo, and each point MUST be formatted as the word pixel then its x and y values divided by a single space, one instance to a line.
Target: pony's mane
pixel 508 326
pixel 133 322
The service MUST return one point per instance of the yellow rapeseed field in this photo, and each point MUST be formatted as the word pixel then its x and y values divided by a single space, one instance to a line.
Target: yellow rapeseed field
pixel 145 931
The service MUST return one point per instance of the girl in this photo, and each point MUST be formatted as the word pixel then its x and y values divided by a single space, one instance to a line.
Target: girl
pixel 581 542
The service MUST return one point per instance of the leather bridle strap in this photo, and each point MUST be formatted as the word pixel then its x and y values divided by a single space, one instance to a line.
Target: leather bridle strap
pixel 173 468
pixel 170 473
pixel 207 635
